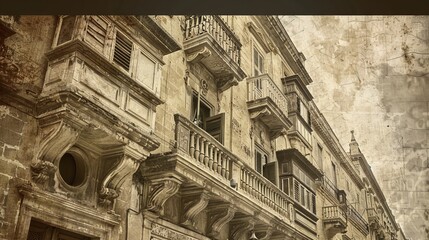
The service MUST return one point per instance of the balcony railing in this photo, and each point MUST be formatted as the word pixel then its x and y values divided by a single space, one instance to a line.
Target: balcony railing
pixel 356 218
pixel 216 28
pixel 374 218
pixel 203 148
pixel 267 103
pixel 330 187
pixel 260 188
pixel 206 152
pixel 262 86
pixel 333 214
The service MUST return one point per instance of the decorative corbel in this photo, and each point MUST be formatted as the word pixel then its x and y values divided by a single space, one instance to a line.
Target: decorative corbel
pixel 194 203
pixel 265 233
pixel 257 114
pixel 241 226
pixel 199 55
pixel 218 216
pixel 159 191
pixel 226 82
pixel 56 138
pixel 128 164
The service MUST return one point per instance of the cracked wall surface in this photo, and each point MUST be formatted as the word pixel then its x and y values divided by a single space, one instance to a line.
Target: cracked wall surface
pixel 371 75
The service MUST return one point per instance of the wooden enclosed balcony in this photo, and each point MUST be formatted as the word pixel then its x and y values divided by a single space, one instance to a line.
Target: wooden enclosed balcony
pixel 209 40
pixel 267 103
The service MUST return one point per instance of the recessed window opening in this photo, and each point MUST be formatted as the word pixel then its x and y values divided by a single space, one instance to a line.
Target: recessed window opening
pixel 72 169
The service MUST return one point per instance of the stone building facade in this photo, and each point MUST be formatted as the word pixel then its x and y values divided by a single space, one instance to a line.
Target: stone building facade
pixel 171 127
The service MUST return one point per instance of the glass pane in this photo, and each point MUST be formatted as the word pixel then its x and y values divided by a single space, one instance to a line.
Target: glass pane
pixel 66 31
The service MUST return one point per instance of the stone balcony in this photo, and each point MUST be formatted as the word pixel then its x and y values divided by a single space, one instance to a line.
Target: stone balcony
pixel 334 220
pixel 209 40
pixel 355 218
pixel 199 161
pixel 373 219
pixel 267 103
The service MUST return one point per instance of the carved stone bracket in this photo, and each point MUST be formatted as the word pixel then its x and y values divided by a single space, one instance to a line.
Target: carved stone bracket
pixel 42 172
pixel 257 114
pixel 241 226
pixel 159 191
pixel 226 82
pixel 264 233
pixel 197 56
pixel 218 216
pixel 194 203
pixel 57 137
pixel 128 164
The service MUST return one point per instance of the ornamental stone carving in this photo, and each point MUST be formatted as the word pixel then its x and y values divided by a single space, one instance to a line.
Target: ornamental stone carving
pixel 194 202
pixel 159 191
pixel 218 216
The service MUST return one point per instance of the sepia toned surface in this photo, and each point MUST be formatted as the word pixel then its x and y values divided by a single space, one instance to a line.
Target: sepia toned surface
pixel 175 127
pixel 371 75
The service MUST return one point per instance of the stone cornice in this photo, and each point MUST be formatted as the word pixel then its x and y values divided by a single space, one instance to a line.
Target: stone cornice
pixel 71 106
pixel 36 198
pixel 286 46
pixel 155 33
pixel 374 184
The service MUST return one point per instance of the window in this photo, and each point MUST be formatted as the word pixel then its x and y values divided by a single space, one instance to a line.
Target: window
pixel 201 116
pixel 258 63
pixel 146 69
pixel 122 52
pixel 96 32
pixel 303 111
pixel 261 159
pixel 302 195
pixel 285 185
pixel 66 29
pixel 334 173
pixel 320 156
pixel 72 168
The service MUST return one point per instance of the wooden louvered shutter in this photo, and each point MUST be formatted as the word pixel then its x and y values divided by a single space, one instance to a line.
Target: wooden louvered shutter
pixel 123 49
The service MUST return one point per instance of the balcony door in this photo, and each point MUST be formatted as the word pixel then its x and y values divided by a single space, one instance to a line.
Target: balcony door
pixel 201 115
pixel 41 231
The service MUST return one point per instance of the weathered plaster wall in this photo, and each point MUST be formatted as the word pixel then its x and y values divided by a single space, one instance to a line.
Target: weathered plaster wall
pixel 370 74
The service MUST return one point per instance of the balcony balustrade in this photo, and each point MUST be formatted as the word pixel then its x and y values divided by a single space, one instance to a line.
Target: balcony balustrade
pixel 329 187
pixel 268 103
pixel 261 189
pixel 334 220
pixel 334 214
pixel 209 40
pixel 356 218
pixel 373 219
pixel 204 150
pixel 210 155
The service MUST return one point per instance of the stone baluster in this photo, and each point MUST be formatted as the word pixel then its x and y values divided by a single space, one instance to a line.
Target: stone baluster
pixel 215 158
pixel 203 142
pixel 223 167
pixel 228 167
pixel 197 147
pixel 219 162
pixel 192 145
pixel 210 159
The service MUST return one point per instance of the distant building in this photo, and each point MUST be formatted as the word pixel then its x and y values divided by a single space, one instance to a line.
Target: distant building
pixel 172 127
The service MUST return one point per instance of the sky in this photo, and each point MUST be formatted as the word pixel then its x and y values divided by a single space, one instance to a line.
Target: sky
pixel 371 75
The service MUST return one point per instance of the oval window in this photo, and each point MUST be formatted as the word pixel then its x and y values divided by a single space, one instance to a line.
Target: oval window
pixel 72 169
